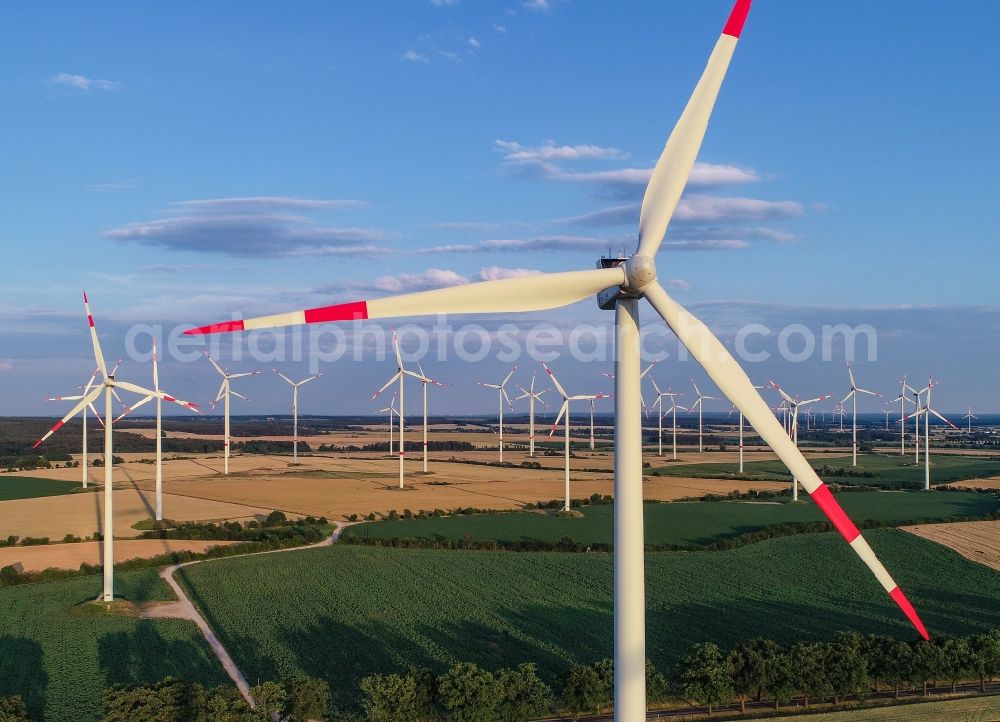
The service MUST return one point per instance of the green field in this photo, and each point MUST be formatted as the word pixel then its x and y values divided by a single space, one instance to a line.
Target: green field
pixel 60 660
pixel 975 709
pixel 28 487
pixel 683 523
pixel 342 612
pixel 889 470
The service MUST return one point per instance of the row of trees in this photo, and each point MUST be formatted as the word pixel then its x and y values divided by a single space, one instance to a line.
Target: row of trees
pixel 174 700
pixel 758 670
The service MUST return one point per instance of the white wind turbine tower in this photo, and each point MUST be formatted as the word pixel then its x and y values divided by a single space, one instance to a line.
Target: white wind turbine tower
pixel 532 396
pixel 295 410
pixel 564 409
pixel 107 386
pixel 793 408
pixel 853 395
pixel 620 284
pixel 970 417
pixel 225 391
pixel 400 376
pixel 502 394
pixel 903 399
pixel 424 382
pixel 698 404
pixel 391 409
pixel 85 457
pixel 660 411
pixel 160 395
pixel 916 419
pixel 741 430
pixel 925 410
pixel 887 412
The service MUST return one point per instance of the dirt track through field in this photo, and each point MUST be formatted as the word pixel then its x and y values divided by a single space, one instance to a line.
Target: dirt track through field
pixel 71 556
pixel 975 540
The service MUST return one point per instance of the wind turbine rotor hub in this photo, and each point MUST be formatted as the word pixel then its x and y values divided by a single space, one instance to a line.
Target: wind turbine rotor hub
pixel 640 271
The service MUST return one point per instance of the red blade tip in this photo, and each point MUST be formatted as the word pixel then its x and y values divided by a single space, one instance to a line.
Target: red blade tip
pixel 734 26
pixel 224 327
pixel 911 613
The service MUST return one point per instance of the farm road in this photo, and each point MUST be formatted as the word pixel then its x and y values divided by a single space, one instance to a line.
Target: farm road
pixel 185 609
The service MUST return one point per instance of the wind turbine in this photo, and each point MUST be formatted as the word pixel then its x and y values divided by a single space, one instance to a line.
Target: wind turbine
pixel 400 375
pixel 660 411
pixel 853 395
pixel 970 417
pixel 107 386
pixel 564 409
pixel 424 382
pixel 502 394
pixel 887 412
pixel 697 405
pixel 160 395
pixel 225 391
pixel 793 406
pixel 391 408
pixel 530 394
pixel 903 399
pixel 741 430
pixel 77 397
pixel 926 412
pixel 295 410
pixel 619 285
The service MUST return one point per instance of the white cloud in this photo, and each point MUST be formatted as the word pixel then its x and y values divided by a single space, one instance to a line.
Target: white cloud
pixel 585 244
pixel 502 29
pixel 514 152
pixel 695 208
pixel 472 43
pixel 443 3
pixel 266 203
pixel 540 6
pixel 412 56
pixel 495 273
pixel 122 185
pixel 82 82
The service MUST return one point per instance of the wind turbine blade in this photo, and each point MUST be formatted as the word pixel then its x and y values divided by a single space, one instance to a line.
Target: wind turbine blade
pixel 395 347
pixel 180 402
pixel 244 373
pixel 217 367
pixel 80 396
pixel 672 170
pixel 234 393
pixel 781 391
pixel 126 386
pixel 86 401
pixel 655 387
pixel 850 372
pixel 133 407
pixel 870 393
pixel 555 381
pixel 507 377
pixel 156 369
pixel 218 396
pixel 292 383
pixel 562 410
pixel 388 383
pixel 943 418
pixel 98 354
pixel 644 371
pixel 489 386
pixel 504 392
pixel 848 397
pixel 728 376
pixel 529 293
pixel 813 401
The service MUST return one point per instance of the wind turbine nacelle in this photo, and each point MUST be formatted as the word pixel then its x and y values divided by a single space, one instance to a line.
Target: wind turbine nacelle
pixel 607 298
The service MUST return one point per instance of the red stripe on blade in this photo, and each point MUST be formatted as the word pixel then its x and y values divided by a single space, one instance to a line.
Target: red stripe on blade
pixel 90 320
pixel 734 26
pixel 356 311
pixel 899 598
pixel 831 507
pixel 58 426
pixel 168 397
pixel 224 327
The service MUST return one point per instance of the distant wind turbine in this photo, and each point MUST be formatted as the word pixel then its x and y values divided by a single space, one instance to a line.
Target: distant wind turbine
pixel 903 399
pixel 853 395
pixel 698 404
pixel 734 408
pixel 225 391
pixel 160 395
pixel 970 417
pixel 532 396
pixel 794 405
pixel 85 457
pixel 295 410
pixel 660 411
pixel 391 409
pixel 925 410
pixel 502 395
pixel 564 409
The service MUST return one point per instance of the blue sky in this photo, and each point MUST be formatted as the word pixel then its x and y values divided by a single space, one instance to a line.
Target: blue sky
pixel 848 176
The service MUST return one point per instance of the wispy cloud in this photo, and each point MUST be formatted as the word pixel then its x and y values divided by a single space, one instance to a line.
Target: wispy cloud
pixel 423 281
pixel 244 227
pixel 267 203
pixel 412 56
pixel 111 186
pixel 83 83
pixel 587 244
pixel 443 3
pixel 695 208
pixel 539 6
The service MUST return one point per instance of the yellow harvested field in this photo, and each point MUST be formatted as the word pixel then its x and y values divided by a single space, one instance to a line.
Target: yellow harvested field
pixel 990 483
pixel 975 540
pixel 82 514
pixel 71 556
